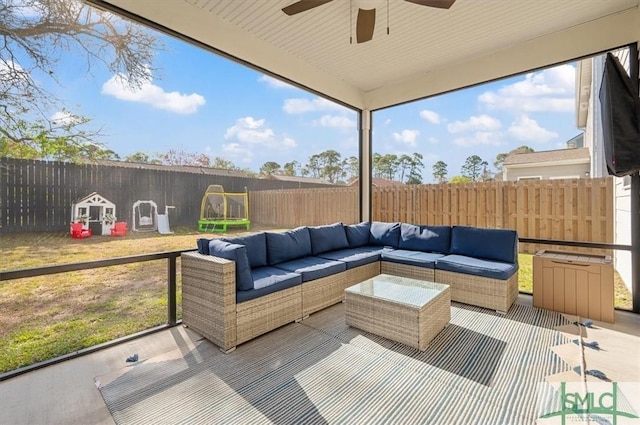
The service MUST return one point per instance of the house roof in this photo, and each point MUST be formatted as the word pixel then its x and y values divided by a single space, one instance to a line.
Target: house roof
pixel 179 168
pixel 560 155
pixel 427 50
pixel 298 179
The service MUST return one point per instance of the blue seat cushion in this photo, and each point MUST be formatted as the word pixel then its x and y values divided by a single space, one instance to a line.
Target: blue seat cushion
pixel 328 238
pixel 355 257
pixel 490 244
pixel 287 246
pixel 203 245
pixel 256 248
pixel 384 234
pixel 237 253
pixel 313 267
pixel 477 266
pixel 268 280
pixel 358 234
pixel 411 258
pixel 425 238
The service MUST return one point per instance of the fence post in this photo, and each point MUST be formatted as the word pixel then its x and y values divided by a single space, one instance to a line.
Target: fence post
pixel 171 290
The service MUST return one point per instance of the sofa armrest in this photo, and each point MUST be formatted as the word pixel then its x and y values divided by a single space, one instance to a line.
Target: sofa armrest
pixel 209 297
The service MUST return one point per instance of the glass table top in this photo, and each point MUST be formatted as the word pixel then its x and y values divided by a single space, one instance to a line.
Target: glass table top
pixel 398 289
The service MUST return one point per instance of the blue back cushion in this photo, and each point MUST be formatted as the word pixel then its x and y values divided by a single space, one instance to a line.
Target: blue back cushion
pixel 237 253
pixel 358 234
pixel 256 248
pixel 490 244
pixel 384 234
pixel 288 246
pixel 203 246
pixel 425 238
pixel 328 238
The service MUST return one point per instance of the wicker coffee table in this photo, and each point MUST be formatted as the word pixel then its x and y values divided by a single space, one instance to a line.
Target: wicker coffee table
pixel 404 310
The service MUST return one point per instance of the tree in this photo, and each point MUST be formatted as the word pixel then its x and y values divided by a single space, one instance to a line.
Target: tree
pixel 182 157
pixel 223 164
pixel 36 35
pixel 473 167
pixel 352 167
pixel 384 166
pixel 142 158
pixel 269 167
pixel 440 171
pixel 404 164
pixel 291 168
pixel 460 179
pixel 415 164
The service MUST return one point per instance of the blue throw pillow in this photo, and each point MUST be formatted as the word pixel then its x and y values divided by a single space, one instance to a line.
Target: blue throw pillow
pixel 384 234
pixel 237 253
pixel 203 246
pixel 490 244
pixel 358 234
pixel 328 238
pixel 256 248
pixel 425 238
pixel 287 246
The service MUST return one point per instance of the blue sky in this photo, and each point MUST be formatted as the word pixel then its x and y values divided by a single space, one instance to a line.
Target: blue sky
pixel 203 103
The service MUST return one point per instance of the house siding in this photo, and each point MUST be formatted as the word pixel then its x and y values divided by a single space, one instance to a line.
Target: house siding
pixel 546 172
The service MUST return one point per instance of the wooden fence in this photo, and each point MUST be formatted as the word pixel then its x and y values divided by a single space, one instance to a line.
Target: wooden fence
pixel 572 209
pixel 36 196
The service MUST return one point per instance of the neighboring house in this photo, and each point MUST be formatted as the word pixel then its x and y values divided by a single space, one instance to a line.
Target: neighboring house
pixel 589 74
pixel 571 163
pixel 377 182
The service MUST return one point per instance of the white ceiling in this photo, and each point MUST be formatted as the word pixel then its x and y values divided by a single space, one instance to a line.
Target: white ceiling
pixel 428 50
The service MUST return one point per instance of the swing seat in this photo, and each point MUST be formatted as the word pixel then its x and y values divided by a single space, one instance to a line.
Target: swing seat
pixel 145 221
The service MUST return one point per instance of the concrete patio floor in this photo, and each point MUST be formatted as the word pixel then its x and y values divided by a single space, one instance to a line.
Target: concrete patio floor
pixel 65 393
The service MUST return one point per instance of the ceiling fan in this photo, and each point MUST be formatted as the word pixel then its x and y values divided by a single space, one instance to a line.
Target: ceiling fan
pixel 366 20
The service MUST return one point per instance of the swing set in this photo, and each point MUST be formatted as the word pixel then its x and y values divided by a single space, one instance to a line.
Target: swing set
pixel 145 216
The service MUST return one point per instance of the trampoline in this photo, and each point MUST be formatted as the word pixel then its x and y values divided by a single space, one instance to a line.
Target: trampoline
pixel 220 210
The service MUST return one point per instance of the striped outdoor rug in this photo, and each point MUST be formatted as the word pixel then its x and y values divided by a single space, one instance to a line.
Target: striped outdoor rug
pixel 483 369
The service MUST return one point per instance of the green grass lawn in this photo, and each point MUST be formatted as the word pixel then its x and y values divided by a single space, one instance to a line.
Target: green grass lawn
pixel 48 316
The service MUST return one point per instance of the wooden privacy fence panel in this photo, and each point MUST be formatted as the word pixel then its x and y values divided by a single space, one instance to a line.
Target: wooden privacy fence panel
pixel 304 207
pixel 573 209
pixel 36 196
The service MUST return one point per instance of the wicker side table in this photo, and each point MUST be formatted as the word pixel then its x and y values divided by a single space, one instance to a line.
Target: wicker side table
pixel 404 310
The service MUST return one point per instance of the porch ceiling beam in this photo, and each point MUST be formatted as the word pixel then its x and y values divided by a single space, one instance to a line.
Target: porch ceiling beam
pixel 581 40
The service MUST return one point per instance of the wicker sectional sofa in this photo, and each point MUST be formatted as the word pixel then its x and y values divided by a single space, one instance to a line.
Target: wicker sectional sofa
pixel 234 289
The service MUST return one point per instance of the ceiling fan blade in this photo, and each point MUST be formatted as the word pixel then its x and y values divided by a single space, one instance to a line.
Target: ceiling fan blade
pixel 303 5
pixel 365 25
pixel 440 4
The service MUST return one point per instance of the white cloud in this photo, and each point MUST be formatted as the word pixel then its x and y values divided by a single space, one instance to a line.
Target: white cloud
pixel 407 137
pixel 387 121
pixel 432 117
pixel 236 152
pixel 301 105
pixel 480 123
pixel 551 90
pixel 274 82
pixel 526 129
pixel 63 118
pixel 334 121
pixel 432 140
pixel 250 131
pixel 153 95
pixel 479 138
